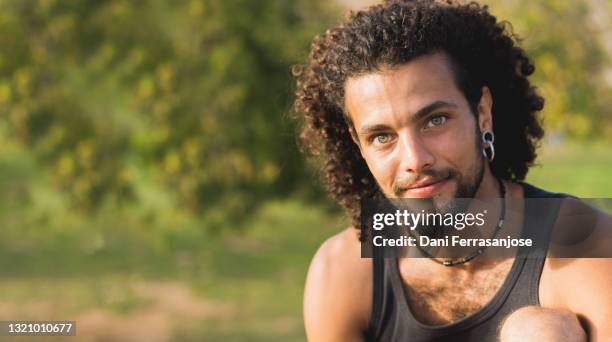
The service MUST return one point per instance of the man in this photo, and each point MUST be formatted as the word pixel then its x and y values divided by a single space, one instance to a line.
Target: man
pixel 427 99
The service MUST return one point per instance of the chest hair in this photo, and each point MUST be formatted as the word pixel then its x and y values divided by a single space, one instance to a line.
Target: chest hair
pixel 437 298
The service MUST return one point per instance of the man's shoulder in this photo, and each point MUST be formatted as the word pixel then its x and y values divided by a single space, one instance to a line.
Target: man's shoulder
pixel 574 213
pixel 345 243
pixel 339 260
pixel 338 286
pixel 582 225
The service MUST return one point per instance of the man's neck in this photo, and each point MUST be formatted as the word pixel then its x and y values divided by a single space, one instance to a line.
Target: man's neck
pixel 489 186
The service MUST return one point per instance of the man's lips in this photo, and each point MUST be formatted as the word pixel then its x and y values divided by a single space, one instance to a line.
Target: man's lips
pixel 426 188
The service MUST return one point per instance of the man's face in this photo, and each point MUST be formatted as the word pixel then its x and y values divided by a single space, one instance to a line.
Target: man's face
pixel 416 131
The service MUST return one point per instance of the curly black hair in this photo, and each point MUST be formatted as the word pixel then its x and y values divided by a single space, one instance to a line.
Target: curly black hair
pixel 483 51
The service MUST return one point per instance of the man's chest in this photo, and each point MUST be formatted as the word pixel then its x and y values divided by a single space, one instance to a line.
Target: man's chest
pixel 441 296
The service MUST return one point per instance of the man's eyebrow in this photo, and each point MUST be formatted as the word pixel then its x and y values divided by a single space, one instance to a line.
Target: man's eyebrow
pixel 419 115
pixel 368 129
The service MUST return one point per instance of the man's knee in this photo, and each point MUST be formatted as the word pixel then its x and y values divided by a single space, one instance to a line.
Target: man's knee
pixel 534 323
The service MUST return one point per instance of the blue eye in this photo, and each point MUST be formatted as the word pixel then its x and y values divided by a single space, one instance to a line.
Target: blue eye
pixel 437 120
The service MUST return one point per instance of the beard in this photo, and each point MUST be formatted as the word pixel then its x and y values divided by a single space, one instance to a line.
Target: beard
pixel 468 184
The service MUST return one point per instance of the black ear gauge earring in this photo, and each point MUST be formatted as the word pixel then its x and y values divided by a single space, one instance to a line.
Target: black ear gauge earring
pixel 487 140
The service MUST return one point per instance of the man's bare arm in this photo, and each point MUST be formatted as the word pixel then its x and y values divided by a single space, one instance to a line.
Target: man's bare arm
pixel 584 289
pixel 337 298
pixel 582 285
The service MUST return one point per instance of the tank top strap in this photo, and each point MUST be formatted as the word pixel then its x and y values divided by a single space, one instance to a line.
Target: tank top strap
pixel 542 208
pixel 378 291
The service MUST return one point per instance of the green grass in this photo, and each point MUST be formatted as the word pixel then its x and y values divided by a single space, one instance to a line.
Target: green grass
pixel 264 269
pixel 578 169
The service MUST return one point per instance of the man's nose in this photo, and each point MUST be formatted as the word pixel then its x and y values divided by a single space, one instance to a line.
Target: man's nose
pixel 416 156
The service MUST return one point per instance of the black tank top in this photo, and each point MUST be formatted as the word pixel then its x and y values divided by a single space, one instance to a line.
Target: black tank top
pixel 392 320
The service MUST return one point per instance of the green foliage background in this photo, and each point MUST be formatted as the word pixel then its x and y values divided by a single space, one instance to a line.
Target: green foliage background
pixel 151 138
pixel 117 99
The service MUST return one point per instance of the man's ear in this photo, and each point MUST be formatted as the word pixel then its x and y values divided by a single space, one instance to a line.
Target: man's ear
pixel 485 114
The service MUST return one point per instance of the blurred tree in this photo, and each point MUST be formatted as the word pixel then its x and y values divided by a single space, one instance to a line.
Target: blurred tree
pixel 189 93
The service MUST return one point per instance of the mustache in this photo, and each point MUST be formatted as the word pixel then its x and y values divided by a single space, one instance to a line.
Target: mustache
pixel 402 183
